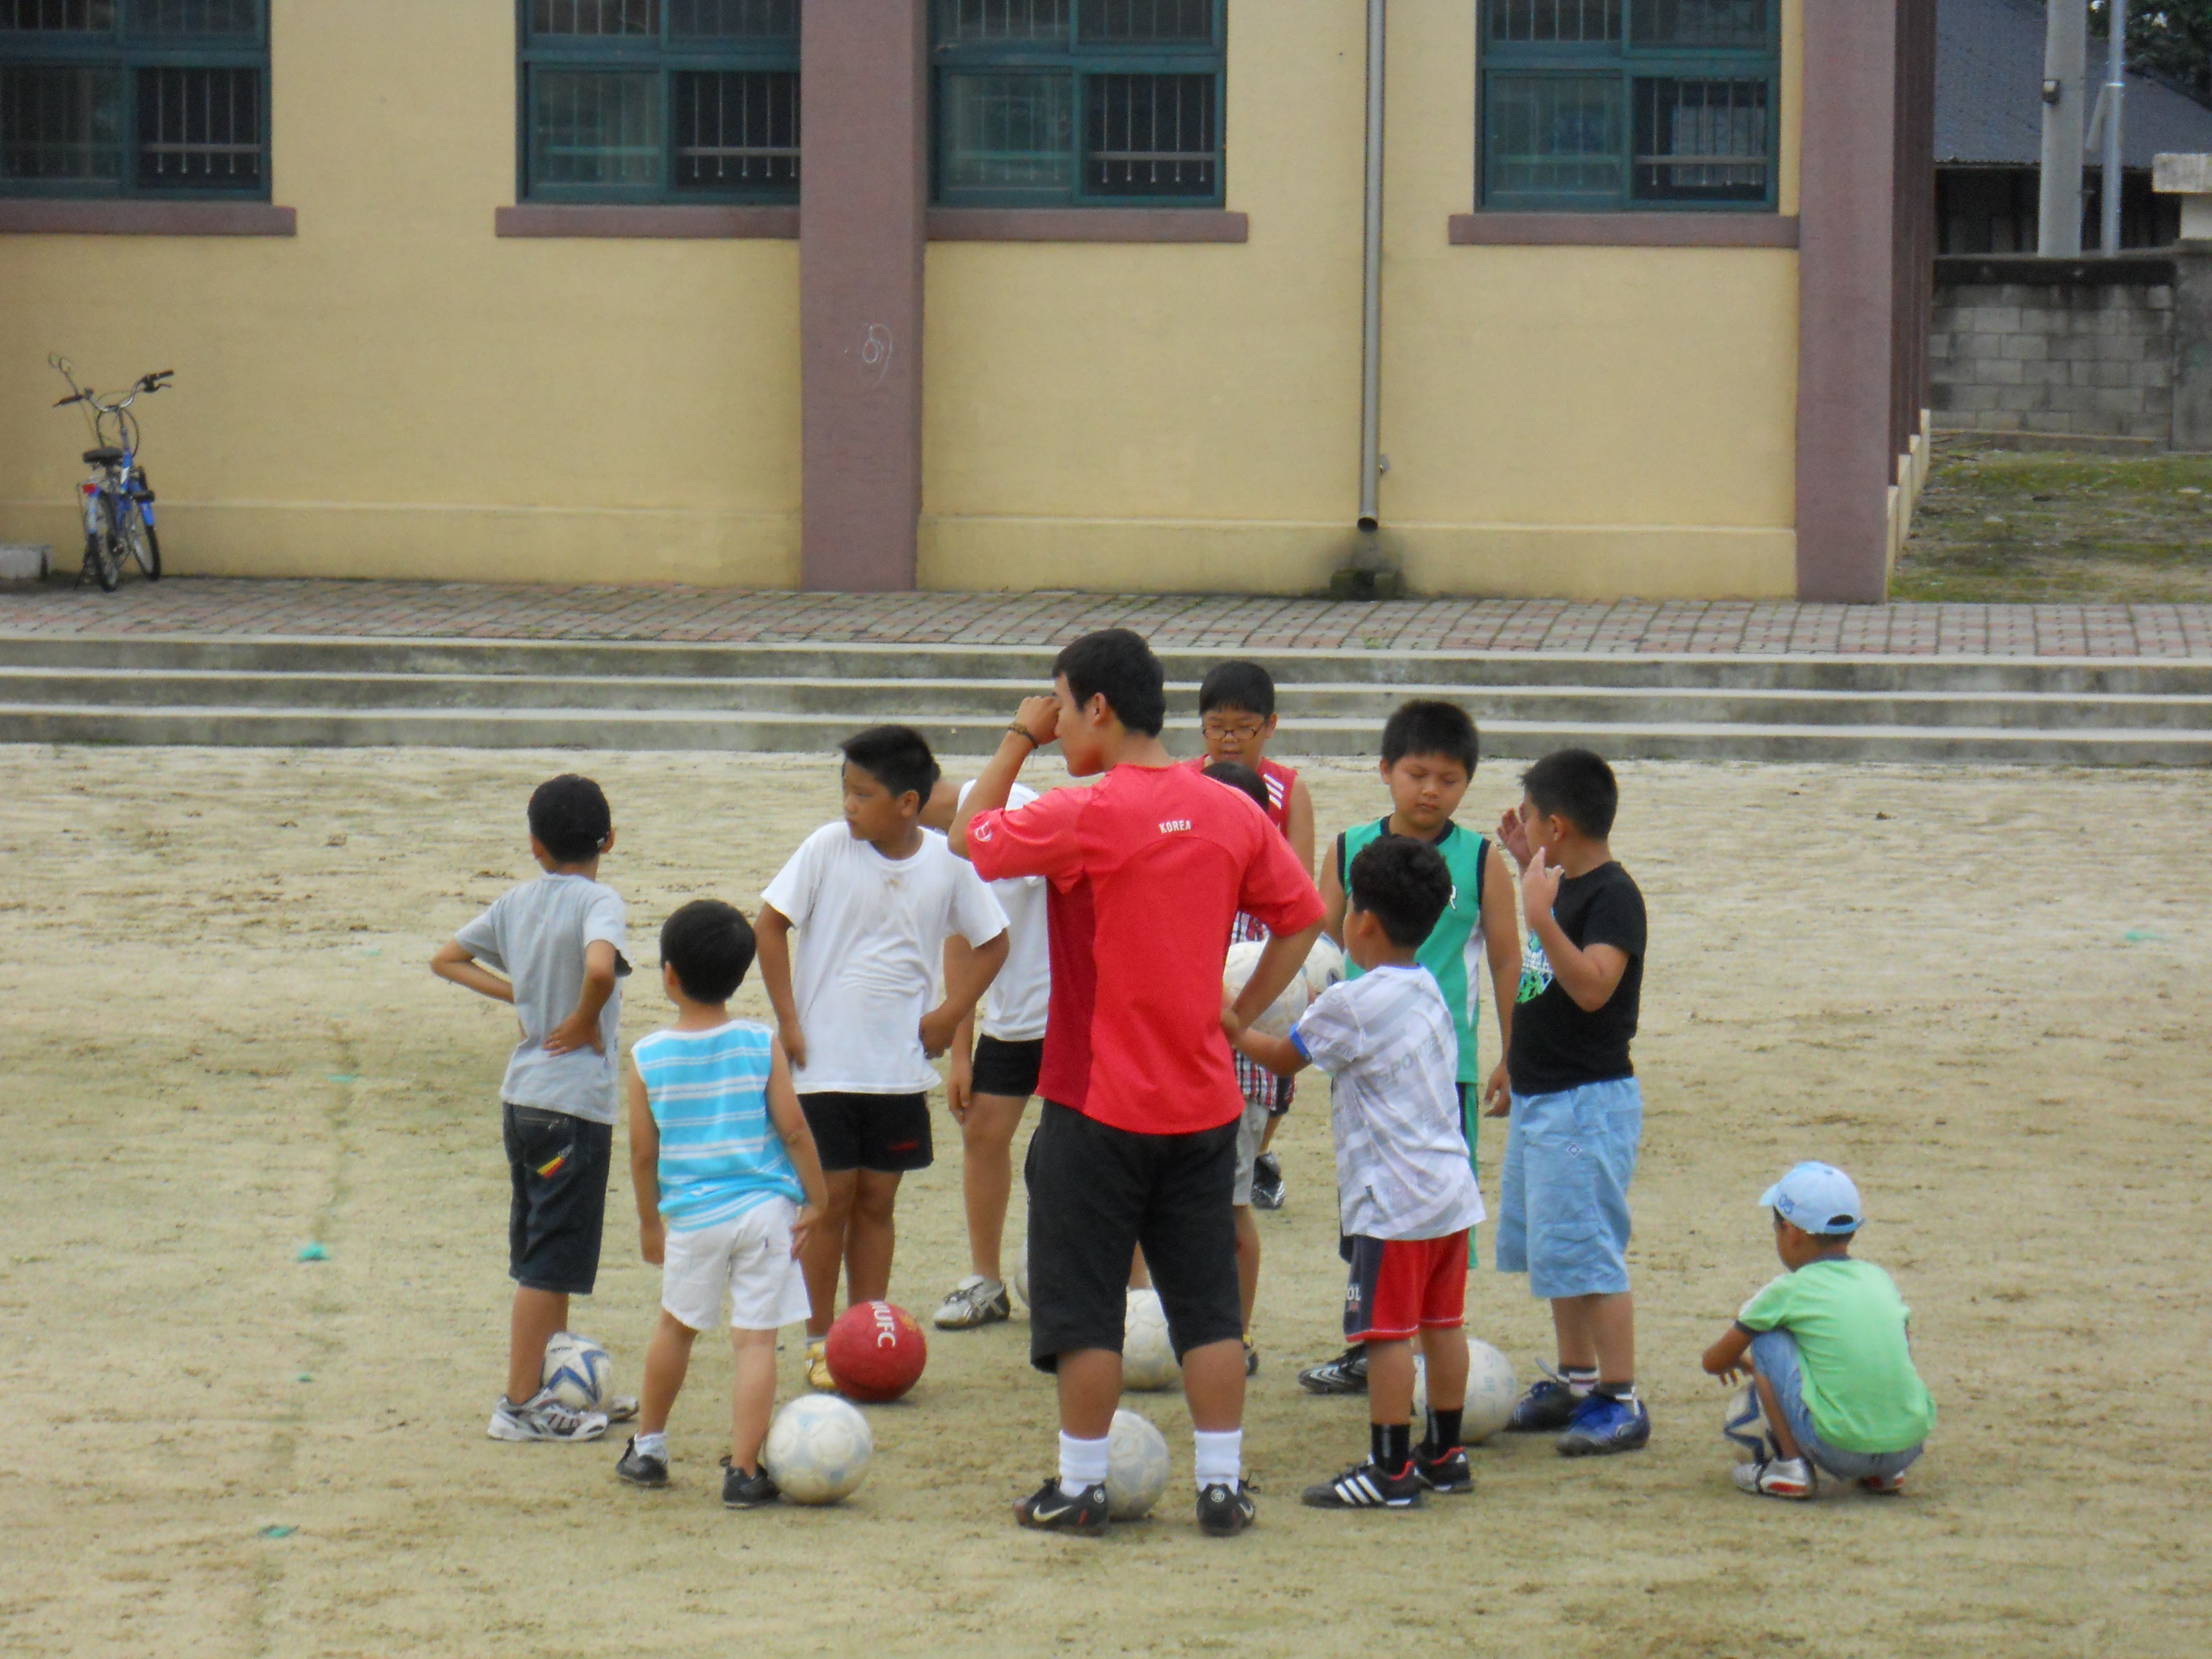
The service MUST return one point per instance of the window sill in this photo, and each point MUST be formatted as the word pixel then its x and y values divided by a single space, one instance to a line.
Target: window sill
pixel 1087 225
pixel 681 223
pixel 1623 230
pixel 47 215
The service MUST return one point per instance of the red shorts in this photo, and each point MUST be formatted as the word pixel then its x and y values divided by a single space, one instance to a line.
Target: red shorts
pixel 1402 1286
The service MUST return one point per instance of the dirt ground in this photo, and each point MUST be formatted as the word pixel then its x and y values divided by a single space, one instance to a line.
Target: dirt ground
pixel 1983 992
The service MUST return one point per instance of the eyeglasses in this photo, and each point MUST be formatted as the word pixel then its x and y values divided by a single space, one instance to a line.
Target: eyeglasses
pixel 1245 729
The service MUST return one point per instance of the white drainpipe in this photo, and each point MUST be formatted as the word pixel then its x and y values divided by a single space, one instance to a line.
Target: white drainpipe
pixel 1370 381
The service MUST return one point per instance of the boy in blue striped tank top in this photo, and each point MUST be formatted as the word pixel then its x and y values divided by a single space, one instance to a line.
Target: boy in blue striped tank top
pixel 728 1182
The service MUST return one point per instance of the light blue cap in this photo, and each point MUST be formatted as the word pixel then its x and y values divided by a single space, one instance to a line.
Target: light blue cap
pixel 1816 1198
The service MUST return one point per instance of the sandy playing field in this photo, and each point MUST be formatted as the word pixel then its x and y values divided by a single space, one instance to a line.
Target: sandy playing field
pixel 1983 992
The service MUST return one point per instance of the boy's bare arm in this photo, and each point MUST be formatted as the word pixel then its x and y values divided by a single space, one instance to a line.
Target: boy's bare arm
pixel 1725 1358
pixel 1038 723
pixel 1278 1054
pixel 452 963
pixel 1299 823
pixel 1589 976
pixel 783 1111
pixel 1501 943
pixel 645 1169
pixel 772 943
pixel 1332 898
pixel 965 981
pixel 581 1029
pixel 959 1080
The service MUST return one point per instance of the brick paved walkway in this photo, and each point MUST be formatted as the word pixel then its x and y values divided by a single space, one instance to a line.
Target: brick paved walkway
pixel 465 611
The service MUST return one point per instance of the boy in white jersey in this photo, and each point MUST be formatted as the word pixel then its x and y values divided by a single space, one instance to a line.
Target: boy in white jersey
pixel 1406 1189
pixel 721 1159
pixel 873 898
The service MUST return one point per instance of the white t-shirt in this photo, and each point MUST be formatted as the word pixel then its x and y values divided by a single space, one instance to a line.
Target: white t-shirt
pixel 1386 1039
pixel 536 934
pixel 871 946
pixel 1016 1005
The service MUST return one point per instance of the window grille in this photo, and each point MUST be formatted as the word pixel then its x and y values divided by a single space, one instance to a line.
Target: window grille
pixel 659 100
pixel 1056 103
pixel 1599 105
pixel 123 98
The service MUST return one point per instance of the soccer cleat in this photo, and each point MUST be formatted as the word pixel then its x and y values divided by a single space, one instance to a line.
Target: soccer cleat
pixel 817 1365
pixel 622 1408
pixel 741 1490
pixel 1051 1510
pixel 1368 1487
pixel 1251 1359
pixel 544 1418
pixel 1602 1425
pixel 973 1301
pixel 1444 1469
pixel 1776 1477
pixel 1266 1182
pixel 1224 1510
pixel 1547 1407
pixel 1346 1373
pixel 641 1470
pixel 1885 1486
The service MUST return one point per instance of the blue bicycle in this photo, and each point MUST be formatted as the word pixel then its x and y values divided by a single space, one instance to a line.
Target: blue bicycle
pixel 118 500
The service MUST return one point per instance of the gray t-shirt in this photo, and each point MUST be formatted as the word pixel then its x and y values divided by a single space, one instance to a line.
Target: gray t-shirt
pixel 536 934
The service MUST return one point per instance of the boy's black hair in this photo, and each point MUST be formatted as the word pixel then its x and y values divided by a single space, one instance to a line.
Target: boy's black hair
pixel 1429 725
pixel 896 757
pixel 1404 883
pixel 1242 777
pixel 1243 685
pixel 570 817
pixel 710 946
pixel 1574 785
pixel 1118 666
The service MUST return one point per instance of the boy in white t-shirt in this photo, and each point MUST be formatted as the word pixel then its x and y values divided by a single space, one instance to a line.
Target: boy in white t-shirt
pixel 993 1076
pixel 874 897
pixel 1406 1189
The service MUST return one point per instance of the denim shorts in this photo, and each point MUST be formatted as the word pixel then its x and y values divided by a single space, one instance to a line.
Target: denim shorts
pixel 1562 1209
pixel 1774 1353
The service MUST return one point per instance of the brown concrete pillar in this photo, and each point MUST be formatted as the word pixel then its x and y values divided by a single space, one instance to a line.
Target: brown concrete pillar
pixel 863 201
pixel 1847 285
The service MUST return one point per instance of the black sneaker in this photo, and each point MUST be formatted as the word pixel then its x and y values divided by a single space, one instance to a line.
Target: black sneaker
pixel 1346 1373
pixel 1547 1408
pixel 641 1470
pixel 1266 1182
pixel 1444 1469
pixel 1368 1487
pixel 1251 1360
pixel 741 1490
pixel 1051 1510
pixel 1224 1510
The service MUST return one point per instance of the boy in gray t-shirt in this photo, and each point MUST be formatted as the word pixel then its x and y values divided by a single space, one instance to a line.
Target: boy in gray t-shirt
pixel 558 940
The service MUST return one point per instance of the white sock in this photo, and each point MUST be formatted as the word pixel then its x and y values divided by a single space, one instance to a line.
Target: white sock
pixel 653 1445
pixel 1218 1460
pixel 1082 1462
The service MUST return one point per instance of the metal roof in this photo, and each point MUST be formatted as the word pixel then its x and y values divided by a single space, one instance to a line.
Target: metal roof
pixel 1988 91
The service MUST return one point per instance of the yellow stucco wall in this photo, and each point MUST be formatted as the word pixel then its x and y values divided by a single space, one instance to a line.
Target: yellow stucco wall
pixel 395 391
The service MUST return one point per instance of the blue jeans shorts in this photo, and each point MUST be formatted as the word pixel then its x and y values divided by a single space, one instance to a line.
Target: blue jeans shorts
pixel 1562 1209
pixel 1774 1353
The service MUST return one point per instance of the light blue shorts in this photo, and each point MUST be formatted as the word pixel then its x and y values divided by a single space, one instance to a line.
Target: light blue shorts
pixel 1562 1209
pixel 1775 1355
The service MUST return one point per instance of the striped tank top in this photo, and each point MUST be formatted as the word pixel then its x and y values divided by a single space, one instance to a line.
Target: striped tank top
pixel 720 1151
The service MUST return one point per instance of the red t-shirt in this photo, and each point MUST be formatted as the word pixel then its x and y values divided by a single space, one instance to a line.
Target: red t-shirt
pixel 1166 858
pixel 1278 779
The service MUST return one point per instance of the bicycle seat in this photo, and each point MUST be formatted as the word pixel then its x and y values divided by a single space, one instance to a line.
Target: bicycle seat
pixel 101 457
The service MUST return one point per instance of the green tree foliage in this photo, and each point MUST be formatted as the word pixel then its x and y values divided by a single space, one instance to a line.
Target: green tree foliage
pixel 2169 39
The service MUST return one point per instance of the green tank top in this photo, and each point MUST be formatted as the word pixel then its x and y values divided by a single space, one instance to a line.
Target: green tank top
pixel 1453 951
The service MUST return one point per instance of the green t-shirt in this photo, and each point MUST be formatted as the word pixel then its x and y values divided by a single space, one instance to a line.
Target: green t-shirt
pixel 1856 1367
pixel 1453 951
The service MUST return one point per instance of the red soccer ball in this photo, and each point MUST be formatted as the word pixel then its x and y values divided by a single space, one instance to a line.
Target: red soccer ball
pixel 875 1351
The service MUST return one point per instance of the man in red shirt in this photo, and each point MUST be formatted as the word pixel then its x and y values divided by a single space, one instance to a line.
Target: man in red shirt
pixel 1137 1144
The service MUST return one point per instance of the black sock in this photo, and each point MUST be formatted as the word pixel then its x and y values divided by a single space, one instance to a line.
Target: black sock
pixel 1618 1391
pixel 1443 1430
pixel 1390 1446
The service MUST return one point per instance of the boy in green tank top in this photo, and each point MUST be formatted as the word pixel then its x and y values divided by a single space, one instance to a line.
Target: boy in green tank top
pixel 1429 753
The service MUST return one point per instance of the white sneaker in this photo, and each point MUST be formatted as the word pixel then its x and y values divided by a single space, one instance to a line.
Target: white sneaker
pixel 1776 1477
pixel 544 1418
pixel 975 1301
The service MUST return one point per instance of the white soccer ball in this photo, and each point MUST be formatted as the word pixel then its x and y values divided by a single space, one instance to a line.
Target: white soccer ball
pixel 1281 1014
pixel 1492 1391
pixel 1324 967
pixel 1021 1278
pixel 578 1370
pixel 1136 1466
pixel 1148 1360
pixel 817 1449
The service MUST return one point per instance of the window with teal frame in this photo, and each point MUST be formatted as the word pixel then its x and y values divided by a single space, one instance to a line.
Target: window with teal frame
pixel 1645 105
pixel 659 101
pixel 117 99
pixel 1077 103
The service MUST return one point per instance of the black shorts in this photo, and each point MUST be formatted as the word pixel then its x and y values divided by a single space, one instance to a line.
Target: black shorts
pixel 1007 1069
pixel 885 1133
pixel 557 1166
pixel 1096 1193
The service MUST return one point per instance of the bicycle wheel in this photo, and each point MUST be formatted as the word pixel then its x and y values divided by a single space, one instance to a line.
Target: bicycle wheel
pixel 99 547
pixel 138 538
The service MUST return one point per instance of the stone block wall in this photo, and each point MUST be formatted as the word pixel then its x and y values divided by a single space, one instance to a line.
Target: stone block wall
pixel 2061 348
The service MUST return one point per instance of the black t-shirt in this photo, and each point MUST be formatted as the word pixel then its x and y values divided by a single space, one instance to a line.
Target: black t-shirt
pixel 1556 1045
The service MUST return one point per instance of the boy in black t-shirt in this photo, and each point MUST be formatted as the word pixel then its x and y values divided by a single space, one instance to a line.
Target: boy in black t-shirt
pixel 1577 1111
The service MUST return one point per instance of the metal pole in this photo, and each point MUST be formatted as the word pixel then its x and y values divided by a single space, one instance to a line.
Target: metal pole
pixel 2065 66
pixel 2116 92
pixel 1371 382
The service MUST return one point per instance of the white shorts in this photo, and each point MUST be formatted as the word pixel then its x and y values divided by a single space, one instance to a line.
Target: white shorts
pixel 1251 1130
pixel 747 1258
